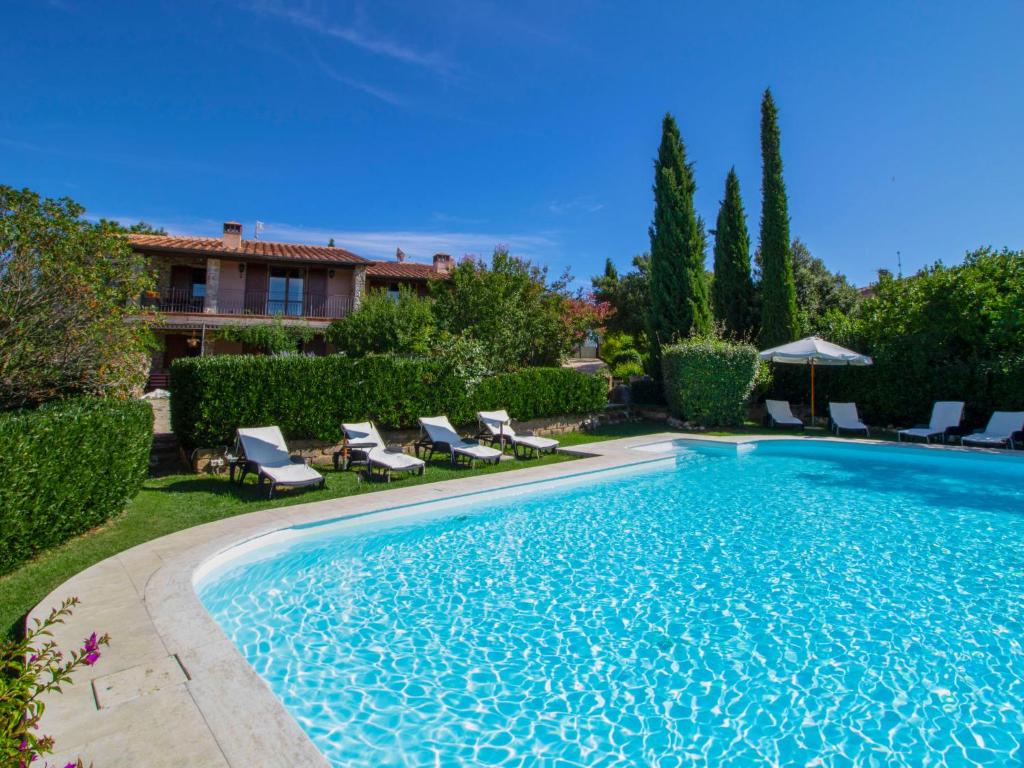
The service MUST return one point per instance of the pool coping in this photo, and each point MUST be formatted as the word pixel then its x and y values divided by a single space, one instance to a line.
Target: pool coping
pixel 172 689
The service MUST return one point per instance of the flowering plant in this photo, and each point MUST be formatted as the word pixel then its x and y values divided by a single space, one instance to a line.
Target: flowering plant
pixel 30 668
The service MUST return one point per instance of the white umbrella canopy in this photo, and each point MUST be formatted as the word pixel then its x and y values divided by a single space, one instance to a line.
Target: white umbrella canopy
pixel 814 351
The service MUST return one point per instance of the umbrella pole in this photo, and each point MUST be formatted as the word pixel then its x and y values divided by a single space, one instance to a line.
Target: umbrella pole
pixel 812 393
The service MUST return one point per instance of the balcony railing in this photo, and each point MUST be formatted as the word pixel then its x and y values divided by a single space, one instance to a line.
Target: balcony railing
pixel 311 305
pixel 236 302
pixel 175 300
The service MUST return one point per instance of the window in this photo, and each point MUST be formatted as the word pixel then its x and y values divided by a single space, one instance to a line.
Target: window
pixel 393 292
pixel 285 292
pixel 198 283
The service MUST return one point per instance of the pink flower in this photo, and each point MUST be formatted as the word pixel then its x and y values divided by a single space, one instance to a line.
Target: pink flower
pixel 90 643
pixel 91 658
pixel 33 659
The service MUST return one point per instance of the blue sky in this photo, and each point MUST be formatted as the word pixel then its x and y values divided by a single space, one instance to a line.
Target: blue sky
pixel 454 126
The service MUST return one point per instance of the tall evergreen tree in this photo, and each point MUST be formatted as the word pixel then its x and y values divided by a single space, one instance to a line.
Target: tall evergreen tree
pixel 679 292
pixel 732 292
pixel 778 289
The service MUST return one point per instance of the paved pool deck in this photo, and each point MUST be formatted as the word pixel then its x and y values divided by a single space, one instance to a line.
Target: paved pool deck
pixel 171 689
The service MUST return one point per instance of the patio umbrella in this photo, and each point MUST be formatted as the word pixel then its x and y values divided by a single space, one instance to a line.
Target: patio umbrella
pixel 814 351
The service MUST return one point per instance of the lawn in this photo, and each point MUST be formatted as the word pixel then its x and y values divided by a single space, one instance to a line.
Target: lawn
pixel 174 502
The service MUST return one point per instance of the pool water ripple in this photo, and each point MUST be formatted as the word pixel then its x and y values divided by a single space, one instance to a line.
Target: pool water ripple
pixel 796 605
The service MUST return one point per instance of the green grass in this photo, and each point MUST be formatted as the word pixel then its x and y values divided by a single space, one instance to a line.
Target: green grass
pixel 175 502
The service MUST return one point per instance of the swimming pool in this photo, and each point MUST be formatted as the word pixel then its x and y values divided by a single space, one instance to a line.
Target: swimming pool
pixel 785 602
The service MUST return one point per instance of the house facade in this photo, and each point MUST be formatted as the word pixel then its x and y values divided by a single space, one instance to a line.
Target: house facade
pixel 203 283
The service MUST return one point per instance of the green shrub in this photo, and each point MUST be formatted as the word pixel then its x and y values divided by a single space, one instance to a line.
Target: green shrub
pixel 946 333
pixel 647 391
pixel 708 380
pixel 537 392
pixel 274 337
pixel 309 397
pixel 67 467
pixel 381 325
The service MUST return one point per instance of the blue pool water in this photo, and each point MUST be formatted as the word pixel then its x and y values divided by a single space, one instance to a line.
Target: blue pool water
pixel 795 604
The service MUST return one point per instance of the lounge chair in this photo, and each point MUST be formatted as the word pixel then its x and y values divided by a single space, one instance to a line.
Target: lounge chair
pixel 1000 430
pixel 263 450
pixel 946 415
pixel 364 440
pixel 780 415
pixel 496 426
pixel 437 434
pixel 844 416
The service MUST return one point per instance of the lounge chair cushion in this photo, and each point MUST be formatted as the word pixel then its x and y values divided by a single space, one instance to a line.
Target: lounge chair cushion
pixel 292 474
pixel 440 430
pixel 781 413
pixel 499 424
pixel 924 432
pixel 1001 429
pixel 476 451
pixel 536 442
pixel 844 416
pixel 394 459
pixel 266 448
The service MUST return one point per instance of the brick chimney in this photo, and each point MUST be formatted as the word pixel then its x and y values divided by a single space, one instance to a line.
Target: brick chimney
pixel 400 254
pixel 232 235
pixel 442 263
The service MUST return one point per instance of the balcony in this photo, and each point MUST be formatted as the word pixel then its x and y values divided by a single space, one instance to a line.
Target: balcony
pixel 255 303
pixel 312 305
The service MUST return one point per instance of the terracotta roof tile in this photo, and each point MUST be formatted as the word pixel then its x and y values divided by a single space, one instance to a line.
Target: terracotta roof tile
pixel 257 249
pixel 400 270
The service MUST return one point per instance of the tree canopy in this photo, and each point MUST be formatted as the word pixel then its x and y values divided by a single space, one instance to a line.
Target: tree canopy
pixel 382 324
pixel 69 315
pixel 678 288
pixel 779 321
pixel 732 290
pixel 511 307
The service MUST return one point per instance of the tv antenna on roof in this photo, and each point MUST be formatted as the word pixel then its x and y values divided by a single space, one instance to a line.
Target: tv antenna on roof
pixel 259 228
pixel 899 265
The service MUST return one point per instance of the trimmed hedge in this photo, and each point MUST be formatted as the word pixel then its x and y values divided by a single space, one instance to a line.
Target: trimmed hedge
pixel 67 467
pixel 309 397
pixel 709 380
pixel 537 392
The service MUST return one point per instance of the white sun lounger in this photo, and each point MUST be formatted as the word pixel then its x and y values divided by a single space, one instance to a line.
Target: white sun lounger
pixel 781 415
pixel 496 426
pixel 365 439
pixel 437 434
pixel 264 451
pixel 1000 430
pixel 946 414
pixel 844 416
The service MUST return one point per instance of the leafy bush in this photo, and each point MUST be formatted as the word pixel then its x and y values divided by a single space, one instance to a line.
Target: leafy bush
pixel 647 391
pixel 67 467
pixel 31 668
pixel 382 325
pixel 509 306
pixel 67 290
pixel 947 333
pixel 309 397
pixel 537 392
pixel 708 380
pixel 273 338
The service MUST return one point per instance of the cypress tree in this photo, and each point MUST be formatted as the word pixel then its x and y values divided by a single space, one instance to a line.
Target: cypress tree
pixel 732 292
pixel 679 292
pixel 778 289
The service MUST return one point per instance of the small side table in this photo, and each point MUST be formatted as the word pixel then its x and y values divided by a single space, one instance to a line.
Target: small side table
pixel 343 457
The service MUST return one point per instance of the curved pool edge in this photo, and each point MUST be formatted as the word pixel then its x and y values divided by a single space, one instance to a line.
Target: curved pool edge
pixel 172 689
